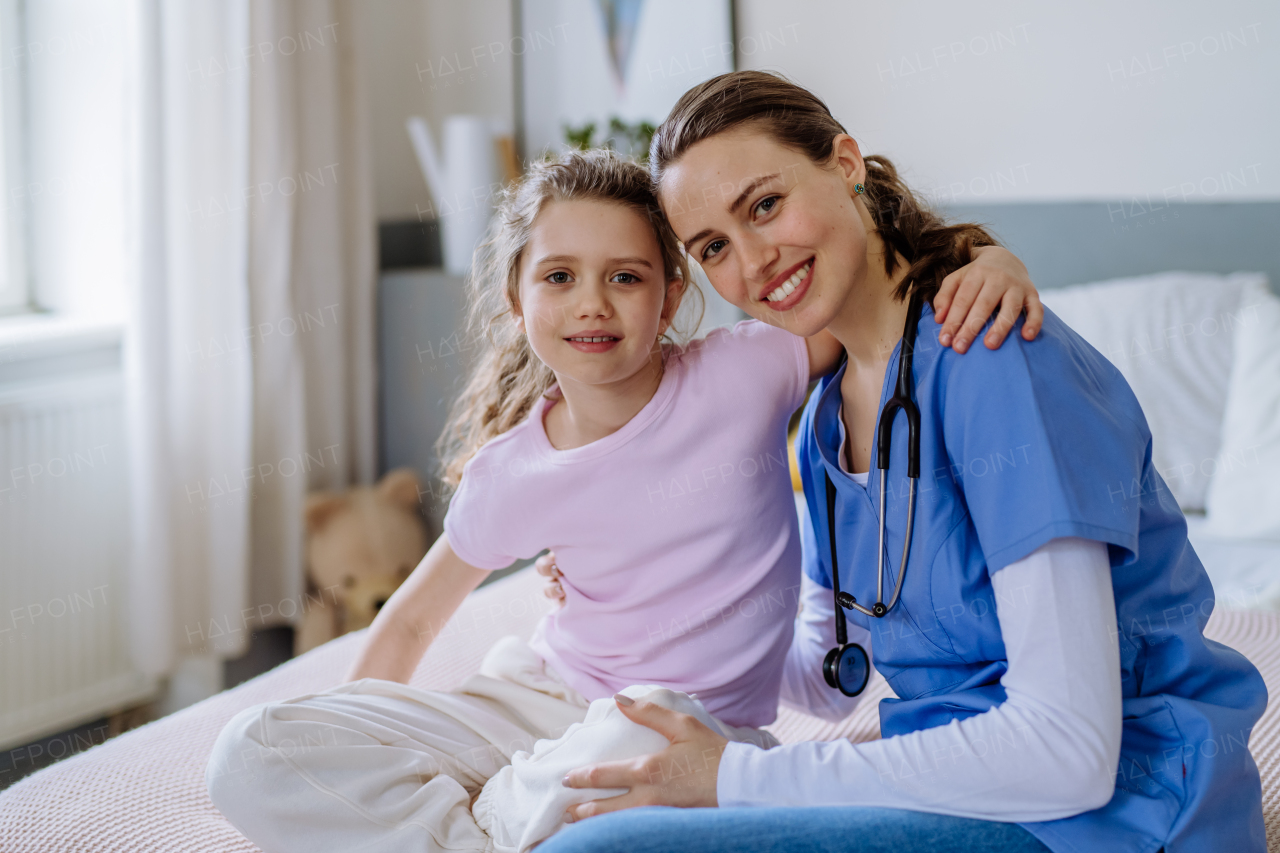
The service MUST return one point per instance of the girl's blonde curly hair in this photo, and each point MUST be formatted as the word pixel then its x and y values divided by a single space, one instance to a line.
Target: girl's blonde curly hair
pixel 508 378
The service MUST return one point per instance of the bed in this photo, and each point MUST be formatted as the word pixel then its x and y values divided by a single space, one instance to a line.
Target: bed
pixel 144 790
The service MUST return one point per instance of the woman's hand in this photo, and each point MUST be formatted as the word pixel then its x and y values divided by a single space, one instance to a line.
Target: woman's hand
pixel 546 566
pixel 968 296
pixel 684 774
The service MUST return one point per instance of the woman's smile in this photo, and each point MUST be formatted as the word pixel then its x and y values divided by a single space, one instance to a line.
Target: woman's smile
pixel 787 289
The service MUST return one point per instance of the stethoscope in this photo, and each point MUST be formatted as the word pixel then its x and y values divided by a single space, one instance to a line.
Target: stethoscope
pixel 847 667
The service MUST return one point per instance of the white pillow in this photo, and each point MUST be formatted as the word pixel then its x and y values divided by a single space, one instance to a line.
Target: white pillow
pixel 1244 494
pixel 1171 335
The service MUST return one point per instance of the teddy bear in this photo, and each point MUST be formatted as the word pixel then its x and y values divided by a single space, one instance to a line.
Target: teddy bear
pixel 361 545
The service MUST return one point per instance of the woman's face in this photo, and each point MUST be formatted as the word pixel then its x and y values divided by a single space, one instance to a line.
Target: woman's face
pixel 592 291
pixel 778 235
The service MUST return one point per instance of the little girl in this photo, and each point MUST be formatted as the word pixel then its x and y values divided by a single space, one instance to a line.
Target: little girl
pixel 657 473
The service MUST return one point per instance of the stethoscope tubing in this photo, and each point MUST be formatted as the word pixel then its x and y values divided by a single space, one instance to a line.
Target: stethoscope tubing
pixel 902 399
pixel 847 666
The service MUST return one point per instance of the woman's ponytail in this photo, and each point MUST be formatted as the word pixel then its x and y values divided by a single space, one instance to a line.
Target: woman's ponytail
pixel 932 248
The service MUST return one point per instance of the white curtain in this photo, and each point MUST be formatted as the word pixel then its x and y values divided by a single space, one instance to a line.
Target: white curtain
pixel 250 351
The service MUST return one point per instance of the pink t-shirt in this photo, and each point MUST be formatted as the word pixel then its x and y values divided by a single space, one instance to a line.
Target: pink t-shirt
pixel 677 534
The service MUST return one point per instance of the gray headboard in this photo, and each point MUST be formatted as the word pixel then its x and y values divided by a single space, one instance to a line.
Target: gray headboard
pixel 1075 242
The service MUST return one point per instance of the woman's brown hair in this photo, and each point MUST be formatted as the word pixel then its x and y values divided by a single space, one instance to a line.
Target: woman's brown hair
pixel 508 378
pixel 796 118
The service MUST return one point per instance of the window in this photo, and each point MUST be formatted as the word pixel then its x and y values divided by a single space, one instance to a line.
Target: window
pixel 15 290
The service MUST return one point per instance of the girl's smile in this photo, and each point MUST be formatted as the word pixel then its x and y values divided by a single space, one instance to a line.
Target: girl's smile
pixel 594 340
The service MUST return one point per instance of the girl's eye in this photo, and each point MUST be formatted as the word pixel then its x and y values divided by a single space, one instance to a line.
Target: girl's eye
pixel 625 278
pixel 713 248
pixel 766 204
pixel 558 278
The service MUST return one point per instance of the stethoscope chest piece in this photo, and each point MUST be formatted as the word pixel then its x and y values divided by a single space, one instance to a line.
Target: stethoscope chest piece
pixel 847 669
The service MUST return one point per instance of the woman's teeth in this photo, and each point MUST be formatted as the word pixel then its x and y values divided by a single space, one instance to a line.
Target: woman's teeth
pixel 788 287
pixel 592 340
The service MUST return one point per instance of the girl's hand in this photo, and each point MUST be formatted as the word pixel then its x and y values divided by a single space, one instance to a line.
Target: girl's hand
pixel 546 566
pixel 968 296
pixel 684 774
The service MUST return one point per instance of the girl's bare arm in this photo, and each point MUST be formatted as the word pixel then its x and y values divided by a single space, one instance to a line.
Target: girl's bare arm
pixel 415 614
pixel 963 305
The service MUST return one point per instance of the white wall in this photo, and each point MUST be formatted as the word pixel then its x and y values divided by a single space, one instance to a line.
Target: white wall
pixel 569 76
pixel 1001 100
pixel 430 58
pixel 986 100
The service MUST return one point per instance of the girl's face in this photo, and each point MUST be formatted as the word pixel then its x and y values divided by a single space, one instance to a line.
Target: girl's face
pixel 592 291
pixel 777 235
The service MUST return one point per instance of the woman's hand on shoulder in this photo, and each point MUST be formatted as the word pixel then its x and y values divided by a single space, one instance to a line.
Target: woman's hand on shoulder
pixel 684 774
pixel 546 566
pixel 969 295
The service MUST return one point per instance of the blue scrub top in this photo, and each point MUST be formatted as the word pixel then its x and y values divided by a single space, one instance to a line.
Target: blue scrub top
pixel 1021 445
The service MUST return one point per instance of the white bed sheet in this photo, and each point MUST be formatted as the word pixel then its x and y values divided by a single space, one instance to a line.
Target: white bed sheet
pixel 1245 572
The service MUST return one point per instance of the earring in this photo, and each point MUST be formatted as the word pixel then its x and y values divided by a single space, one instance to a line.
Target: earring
pixel 859 189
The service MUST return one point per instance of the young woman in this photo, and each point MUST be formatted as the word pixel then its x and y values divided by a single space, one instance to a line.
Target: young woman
pixel 1055 689
pixel 676 529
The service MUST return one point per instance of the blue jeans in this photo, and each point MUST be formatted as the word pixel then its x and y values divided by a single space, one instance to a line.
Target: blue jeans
pixel 826 829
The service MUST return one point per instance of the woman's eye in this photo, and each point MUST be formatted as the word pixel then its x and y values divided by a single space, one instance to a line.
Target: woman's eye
pixel 558 278
pixel 625 278
pixel 713 248
pixel 766 204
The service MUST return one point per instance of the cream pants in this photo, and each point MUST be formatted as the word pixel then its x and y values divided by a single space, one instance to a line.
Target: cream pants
pixel 377 766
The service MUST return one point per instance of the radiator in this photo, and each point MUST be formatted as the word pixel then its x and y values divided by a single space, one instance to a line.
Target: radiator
pixel 63 525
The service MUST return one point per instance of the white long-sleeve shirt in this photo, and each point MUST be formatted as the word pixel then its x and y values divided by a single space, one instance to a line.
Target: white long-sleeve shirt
pixel 1049 751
